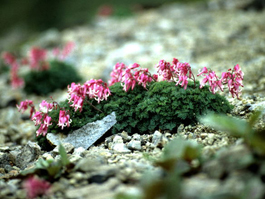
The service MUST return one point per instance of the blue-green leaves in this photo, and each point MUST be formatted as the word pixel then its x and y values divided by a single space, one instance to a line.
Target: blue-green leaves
pixel 50 169
pixel 239 128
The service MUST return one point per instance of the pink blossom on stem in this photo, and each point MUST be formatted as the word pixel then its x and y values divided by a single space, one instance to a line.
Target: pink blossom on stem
pixel 143 77
pixel 203 71
pixel 67 49
pixel 234 80
pixel 165 69
pixel 36 187
pixel 128 81
pixel 183 80
pixel 45 106
pixel 37 59
pixel 24 106
pixel 37 118
pixel 77 102
pixel 214 82
pixel 61 54
pixel 43 129
pixel 64 119
pixel 9 59
pixel 47 120
pixel 116 74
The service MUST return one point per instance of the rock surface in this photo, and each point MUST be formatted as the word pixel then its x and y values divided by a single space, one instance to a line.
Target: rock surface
pixel 85 136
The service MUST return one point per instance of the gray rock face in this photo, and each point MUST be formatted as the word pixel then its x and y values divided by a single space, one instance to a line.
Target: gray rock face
pixel 87 135
pixel 28 154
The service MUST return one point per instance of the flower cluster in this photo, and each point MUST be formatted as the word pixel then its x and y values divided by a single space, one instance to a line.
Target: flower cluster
pixel 61 54
pixel 177 72
pixel 36 60
pixel 96 89
pixel 233 78
pixel 24 106
pixel 36 187
pixel 129 76
pixel 41 118
pixel 9 59
pixel 92 89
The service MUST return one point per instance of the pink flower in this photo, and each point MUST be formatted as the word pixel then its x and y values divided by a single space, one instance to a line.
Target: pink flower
pixel 43 129
pixel 128 80
pixel 9 59
pixel 203 71
pixel 36 187
pixel 37 59
pixel 77 102
pixel 213 80
pixel 16 81
pixel 24 106
pixel 44 124
pixel 234 80
pixel 45 106
pixel 143 77
pixel 184 80
pixel 67 49
pixel 37 118
pixel 165 69
pixel 238 72
pixel 116 74
pixel 47 120
pixel 64 119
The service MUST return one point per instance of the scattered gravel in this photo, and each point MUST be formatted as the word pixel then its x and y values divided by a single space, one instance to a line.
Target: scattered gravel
pixel 211 35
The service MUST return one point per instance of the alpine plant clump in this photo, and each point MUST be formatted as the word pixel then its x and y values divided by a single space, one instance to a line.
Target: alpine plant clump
pixel 142 102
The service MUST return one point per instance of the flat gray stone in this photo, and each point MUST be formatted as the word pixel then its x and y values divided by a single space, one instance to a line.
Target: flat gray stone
pixel 85 136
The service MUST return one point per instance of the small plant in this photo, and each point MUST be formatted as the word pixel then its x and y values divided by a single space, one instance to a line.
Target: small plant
pixel 241 129
pixel 50 169
pixel 58 76
pixel 38 179
pixel 176 162
pixel 142 103
pixel 49 75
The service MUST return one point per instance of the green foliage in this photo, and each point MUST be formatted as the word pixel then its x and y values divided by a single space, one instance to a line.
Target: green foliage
pixel 240 128
pixel 44 82
pixel 166 106
pixel 125 106
pixel 175 162
pixel 50 169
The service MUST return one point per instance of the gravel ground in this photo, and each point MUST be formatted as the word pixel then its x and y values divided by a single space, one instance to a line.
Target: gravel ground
pixel 215 36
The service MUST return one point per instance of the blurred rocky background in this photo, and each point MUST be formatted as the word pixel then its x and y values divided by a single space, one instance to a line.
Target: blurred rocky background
pixel 213 33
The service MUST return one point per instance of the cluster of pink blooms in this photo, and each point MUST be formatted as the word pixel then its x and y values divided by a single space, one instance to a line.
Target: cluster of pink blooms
pixel 36 187
pixel 37 60
pixel 177 72
pixel 41 118
pixel 96 89
pixel 233 78
pixel 129 76
pixel 61 54
pixel 9 59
